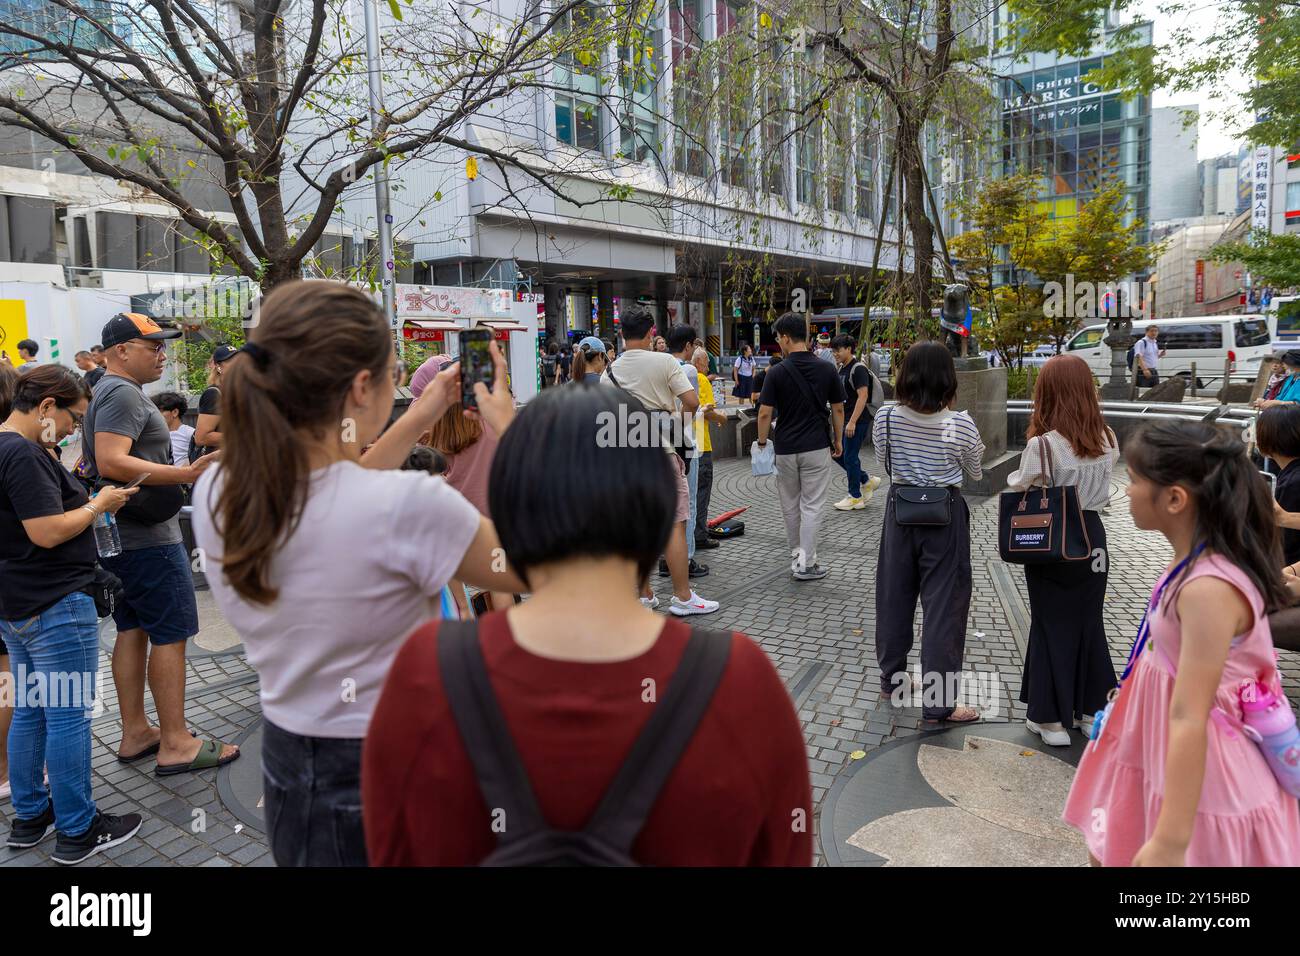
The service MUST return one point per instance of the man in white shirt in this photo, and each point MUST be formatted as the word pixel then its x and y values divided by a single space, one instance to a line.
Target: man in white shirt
pixel 660 383
pixel 1146 355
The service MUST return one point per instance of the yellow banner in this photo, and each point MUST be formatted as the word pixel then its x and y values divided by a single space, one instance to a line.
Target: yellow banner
pixel 13 327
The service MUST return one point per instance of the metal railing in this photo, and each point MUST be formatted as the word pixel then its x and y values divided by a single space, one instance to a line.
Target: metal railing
pixel 1237 415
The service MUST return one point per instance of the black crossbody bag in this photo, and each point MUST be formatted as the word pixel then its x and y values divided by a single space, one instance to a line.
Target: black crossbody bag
pixel 818 408
pixel 924 506
pixel 682 451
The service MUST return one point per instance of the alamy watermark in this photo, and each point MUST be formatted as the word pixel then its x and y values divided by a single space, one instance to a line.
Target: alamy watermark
pixel 1088 300
pixel 638 428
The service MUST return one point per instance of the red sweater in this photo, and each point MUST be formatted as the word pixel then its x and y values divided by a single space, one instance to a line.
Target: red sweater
pixel 740 795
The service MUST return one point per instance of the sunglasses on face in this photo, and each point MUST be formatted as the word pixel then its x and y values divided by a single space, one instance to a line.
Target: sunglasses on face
pixel 154 347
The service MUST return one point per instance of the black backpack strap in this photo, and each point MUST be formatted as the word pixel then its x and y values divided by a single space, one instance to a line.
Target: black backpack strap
pixel 630 798
pixel 502 779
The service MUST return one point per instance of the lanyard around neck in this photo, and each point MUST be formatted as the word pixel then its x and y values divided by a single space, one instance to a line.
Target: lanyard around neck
pixel 1144 629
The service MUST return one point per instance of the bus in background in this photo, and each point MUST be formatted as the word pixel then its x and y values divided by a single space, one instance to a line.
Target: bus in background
pixel 1283 314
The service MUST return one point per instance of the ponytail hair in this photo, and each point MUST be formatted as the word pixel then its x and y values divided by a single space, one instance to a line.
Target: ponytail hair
pixel 1234 510
pixel 292 381
pixel 579 370
pixel 583 358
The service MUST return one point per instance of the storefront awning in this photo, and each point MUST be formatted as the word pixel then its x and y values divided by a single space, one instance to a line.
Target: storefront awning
pixel 429 330
pixel 503 325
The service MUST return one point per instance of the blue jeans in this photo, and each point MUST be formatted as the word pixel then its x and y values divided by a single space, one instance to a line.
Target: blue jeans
pixel 54 657
pixel 850 462
pixel 693 480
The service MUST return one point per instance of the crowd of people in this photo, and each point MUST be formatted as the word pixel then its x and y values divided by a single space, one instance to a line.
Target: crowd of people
pixel 450 612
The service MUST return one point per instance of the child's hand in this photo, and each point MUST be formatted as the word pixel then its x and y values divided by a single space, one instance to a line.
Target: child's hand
pixel 1155 852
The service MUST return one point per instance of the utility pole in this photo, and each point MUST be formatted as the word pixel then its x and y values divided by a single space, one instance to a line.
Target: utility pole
pixel 383 213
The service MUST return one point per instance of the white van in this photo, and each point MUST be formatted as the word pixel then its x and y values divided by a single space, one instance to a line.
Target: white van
pixel 1209 341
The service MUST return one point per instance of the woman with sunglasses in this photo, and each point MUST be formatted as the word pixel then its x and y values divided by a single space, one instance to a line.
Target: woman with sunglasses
pixel 48 621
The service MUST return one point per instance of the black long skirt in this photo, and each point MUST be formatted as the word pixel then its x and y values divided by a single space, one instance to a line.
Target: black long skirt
pixel 1067 666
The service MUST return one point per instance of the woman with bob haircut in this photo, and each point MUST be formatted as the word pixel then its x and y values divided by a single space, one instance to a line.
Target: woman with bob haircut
pixel 1068 672
pixel 584 525
pixel 921 442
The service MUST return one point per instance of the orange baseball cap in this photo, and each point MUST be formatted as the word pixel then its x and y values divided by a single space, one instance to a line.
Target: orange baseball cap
pixel 126 326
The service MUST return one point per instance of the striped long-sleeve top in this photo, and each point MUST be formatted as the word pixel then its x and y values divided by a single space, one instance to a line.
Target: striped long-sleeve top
pixel 931 449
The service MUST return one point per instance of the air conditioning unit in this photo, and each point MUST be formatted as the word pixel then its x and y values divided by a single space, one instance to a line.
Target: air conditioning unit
pixel 93 279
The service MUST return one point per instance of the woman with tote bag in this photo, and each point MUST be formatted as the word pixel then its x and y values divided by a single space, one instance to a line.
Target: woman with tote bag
pixel 1068 672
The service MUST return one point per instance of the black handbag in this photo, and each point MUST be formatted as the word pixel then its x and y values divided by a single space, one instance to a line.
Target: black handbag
pixel 926 506
pixel 1042 524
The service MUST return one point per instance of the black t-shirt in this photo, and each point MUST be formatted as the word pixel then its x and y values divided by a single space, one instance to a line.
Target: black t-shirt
pixel 803 427
pixel 854 376
pixel 1288 496
pixel 209 404
pixel 93 376
pixel 34 485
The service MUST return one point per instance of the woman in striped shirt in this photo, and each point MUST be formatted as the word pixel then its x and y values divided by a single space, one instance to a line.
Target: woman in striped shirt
pixel 922 442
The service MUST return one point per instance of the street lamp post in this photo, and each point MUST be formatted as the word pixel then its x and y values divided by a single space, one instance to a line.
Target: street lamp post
pixel 1119 337
pixel 383 212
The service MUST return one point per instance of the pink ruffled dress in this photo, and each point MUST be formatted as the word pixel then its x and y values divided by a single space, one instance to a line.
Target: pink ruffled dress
pixel 1244 818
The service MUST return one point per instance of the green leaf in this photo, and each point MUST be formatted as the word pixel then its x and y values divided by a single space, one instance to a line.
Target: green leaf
pixel 394 9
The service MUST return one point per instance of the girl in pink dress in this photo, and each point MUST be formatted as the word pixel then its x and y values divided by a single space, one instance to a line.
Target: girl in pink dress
pixel 1170 779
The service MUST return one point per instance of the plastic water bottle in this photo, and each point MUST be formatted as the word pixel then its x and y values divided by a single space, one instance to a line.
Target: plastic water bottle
pixel 1270 722
pixel 107 540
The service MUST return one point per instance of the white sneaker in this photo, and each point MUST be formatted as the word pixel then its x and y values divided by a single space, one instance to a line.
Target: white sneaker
pixel 1084 725
pixel 651 602
pixel 696 605
pixel 849 504
pixel 1053 734
pixel 869 489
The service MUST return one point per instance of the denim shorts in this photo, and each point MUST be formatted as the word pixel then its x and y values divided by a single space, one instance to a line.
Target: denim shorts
pixel 158 593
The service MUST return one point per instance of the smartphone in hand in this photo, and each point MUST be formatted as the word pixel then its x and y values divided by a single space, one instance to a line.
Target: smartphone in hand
pixel 136 480
pixel 475 363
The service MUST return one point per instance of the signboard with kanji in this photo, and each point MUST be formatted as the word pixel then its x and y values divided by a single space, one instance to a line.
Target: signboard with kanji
pixel 451 302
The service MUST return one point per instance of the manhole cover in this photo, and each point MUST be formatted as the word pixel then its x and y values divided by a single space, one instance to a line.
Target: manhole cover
pixel 239 784
pixel 216 638
pixel 980 795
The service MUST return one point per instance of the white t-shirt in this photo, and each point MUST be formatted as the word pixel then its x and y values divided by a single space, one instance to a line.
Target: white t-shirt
pixel 181 445
pixel 365 566
pixel 655 378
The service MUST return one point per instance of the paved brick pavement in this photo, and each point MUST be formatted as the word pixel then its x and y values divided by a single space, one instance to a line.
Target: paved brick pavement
pixel 819 636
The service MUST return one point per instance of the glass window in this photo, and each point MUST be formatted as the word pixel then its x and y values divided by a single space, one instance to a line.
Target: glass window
pixel 1251 332
pixel 865 163
pixel 1087 339
pixel 1191 336
pixel 1292 198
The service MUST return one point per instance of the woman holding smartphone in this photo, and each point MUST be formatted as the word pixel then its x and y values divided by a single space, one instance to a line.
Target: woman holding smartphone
pixel 48 621
pixel 324 559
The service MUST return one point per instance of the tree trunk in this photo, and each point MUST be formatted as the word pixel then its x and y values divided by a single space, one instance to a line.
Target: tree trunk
pixel 922 229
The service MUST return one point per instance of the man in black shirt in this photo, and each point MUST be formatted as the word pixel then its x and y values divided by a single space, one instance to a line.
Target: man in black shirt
pixel 800 389
pixel 99 360
pixel 207 429
pixel 858 383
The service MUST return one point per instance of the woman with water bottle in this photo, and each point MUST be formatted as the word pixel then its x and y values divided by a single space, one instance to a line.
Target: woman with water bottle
pixel 1174 774
pixel 48 619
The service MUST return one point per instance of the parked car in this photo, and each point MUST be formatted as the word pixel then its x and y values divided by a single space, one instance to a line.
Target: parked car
pixel 1239 341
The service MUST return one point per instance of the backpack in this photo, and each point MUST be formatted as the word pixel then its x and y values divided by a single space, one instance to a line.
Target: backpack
pixel 606 840
pixel 875 391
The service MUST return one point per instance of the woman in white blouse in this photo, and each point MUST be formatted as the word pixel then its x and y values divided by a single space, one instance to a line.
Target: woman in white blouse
pixel 1068 672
